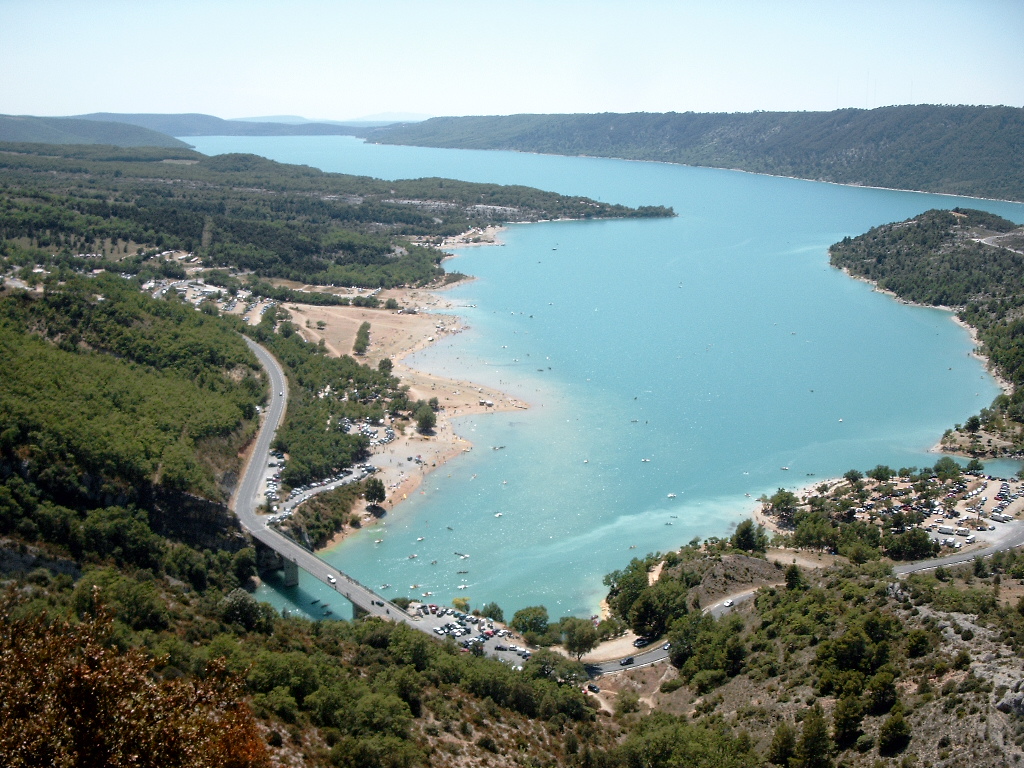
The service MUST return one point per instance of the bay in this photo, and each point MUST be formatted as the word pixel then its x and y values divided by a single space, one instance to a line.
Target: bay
pixel 715 356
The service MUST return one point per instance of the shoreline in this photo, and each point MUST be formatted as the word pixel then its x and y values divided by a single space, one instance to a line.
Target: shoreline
pixel 753 173
pixel 1005 386
pixel 402 481
pixel 396 336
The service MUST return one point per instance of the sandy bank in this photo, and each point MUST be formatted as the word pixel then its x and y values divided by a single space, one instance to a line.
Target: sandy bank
pixel 395 336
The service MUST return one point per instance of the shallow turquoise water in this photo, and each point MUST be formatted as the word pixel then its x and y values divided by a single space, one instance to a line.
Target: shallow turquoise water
pixel 719 345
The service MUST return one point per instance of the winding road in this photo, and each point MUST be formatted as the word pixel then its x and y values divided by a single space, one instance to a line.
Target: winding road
pixel 245 502
pixel 1013 538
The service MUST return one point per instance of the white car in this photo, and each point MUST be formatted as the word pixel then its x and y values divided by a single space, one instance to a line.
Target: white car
pixel 728 603
pixel 332 579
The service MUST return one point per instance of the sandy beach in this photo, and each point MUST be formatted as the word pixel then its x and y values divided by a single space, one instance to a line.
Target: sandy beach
pixel 396 335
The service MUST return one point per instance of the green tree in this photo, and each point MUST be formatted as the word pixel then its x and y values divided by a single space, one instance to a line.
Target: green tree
pixel 362 341
pixel 492 611
pixel 846 719
pixel 895 733
pixel 239 607
pixel 794 578
pixel 783 505
pixel 881 473
pixel 375 492
pixel 749 538
pixel 947 469
pixel 783 744
pixel 243 564
pixel 814 749
pixel 531 619
pixel 881 691
pixel 853 477
pixel 426 419
pixel 579 636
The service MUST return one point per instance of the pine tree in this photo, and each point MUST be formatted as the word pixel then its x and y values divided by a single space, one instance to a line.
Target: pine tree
pixel 814 750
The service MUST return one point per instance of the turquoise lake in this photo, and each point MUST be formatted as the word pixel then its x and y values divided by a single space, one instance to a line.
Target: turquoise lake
pixel 719 346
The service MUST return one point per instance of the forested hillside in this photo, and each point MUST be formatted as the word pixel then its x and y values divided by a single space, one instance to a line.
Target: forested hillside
pixel 249 213
pixel 972 261
pixel 963 150
pixel 109 394
pixel 194 124
pixel 67 130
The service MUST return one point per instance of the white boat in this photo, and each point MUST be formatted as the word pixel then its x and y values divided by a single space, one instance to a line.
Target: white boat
pixel 671 495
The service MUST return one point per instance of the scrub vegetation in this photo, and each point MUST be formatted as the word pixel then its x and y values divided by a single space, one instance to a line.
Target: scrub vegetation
pixel 128 634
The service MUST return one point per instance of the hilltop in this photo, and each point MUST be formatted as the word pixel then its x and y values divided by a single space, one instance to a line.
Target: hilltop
pixel 68 130
pixel 962 150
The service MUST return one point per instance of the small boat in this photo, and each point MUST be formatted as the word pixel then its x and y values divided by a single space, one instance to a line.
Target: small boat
pixel 420 538
pixel 385 586
pixel 463 586
pixel 463 571
pixel 645 460
pixel 315 601
pixel 671 495
pixel 497 514
pixel 414 586
pixel 784 468
pixel 450 528
pixel 427 594
pixel 668 523
pixel 328 612
pixel 378 541
pixel 413 557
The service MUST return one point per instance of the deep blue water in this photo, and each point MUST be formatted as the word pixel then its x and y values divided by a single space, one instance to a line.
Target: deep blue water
pixel 719 345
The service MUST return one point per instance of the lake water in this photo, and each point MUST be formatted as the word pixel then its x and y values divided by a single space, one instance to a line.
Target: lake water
pixel 709 356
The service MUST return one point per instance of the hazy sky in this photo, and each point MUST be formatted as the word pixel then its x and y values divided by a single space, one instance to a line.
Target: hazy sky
pixel 342 59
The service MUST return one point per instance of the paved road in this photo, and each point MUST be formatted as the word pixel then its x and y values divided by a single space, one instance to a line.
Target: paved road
pixel 246 501
pixel 245 504
pixel 1014 538
pixel 658 653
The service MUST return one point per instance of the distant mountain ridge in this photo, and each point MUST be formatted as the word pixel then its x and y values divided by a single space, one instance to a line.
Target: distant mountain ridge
pixel 967 150
pixel 67 130
pixel 196 124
